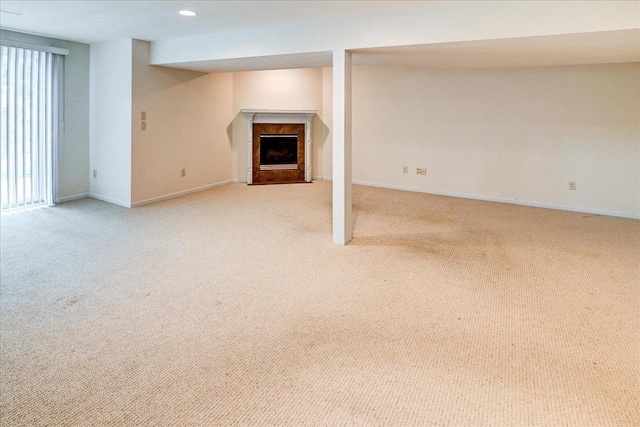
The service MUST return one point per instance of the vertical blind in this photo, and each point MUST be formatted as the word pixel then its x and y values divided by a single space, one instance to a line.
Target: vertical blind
pixel 31 110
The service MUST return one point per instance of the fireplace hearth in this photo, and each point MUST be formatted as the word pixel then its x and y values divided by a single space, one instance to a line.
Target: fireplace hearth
pixel 277 156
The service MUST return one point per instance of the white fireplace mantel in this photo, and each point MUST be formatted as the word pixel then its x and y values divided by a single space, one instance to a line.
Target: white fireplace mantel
pixel 279 116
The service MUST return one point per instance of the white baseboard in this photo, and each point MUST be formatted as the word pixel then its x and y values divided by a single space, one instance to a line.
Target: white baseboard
pixel 501 200
pixel 110 200
pixel 180 193
pixel 74 197
pixel 368 184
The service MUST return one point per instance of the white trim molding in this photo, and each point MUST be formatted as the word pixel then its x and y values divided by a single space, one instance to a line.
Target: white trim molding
pixel 501 200
pixel 180 193
pixel 74 197
pixel 279 116
pixel 110 200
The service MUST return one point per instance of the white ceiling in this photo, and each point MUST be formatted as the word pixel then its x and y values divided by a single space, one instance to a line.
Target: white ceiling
pixel 95 21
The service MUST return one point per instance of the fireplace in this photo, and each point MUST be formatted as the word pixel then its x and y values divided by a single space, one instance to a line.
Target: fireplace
pixel 277 155
pixel 278 146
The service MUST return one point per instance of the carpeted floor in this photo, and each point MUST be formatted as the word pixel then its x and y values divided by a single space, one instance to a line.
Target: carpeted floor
pixel 232 307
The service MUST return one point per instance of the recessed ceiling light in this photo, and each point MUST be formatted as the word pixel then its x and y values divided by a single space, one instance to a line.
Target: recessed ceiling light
pixel 187 13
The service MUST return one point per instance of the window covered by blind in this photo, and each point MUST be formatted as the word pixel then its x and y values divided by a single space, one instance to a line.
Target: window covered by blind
pixel 30 115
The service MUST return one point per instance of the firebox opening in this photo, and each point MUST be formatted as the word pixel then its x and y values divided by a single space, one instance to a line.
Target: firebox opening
pixel 278 152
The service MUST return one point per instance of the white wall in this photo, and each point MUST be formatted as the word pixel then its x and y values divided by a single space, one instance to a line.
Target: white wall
pixel 512 134
pixel 327 136
pixel 518 134
pixel 73 178
pixel 110 120
pixel 299 89
pixel 188 114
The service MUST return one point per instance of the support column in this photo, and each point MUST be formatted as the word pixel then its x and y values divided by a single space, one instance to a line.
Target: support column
pixel 342 209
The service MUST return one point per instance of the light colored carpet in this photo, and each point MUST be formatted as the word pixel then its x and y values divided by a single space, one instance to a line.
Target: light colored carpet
pixel 231 307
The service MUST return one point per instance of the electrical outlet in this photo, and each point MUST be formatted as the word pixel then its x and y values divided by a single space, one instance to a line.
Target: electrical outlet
pixel 421 171
pixel 95 173
pixel 143 115
pixel 183 173
pixel 572 185
pixel 143 126
pixel 405 169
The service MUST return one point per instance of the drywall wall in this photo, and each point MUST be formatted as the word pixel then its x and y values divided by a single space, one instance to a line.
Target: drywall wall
pixel 506 134
pixel 110 120
pixel 187 116
pixel 296 89
pixel 73 176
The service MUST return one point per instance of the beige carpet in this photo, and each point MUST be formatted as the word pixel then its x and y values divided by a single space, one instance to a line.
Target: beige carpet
pixel 231 307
